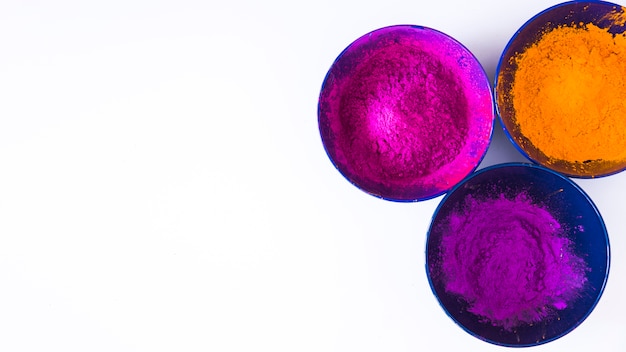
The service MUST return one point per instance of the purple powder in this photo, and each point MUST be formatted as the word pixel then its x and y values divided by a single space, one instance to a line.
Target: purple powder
pixel 509 260
pixel 405 113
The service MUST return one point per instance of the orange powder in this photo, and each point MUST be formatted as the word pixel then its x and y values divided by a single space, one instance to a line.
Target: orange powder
pixel 569 96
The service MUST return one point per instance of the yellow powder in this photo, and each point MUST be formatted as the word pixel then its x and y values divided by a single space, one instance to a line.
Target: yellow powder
pixel 569 94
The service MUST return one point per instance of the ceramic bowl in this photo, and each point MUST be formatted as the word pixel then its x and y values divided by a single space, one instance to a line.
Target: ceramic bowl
pixel 607 16
pixel 405 113
pixel 519 275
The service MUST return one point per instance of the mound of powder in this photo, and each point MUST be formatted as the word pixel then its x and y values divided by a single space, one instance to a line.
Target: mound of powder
pixel 568 98
pixel 407 113
pixel 510 261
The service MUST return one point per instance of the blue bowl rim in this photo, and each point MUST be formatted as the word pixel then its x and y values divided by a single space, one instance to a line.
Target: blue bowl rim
pixel 491 96
pixel 600 291
pixel 498 67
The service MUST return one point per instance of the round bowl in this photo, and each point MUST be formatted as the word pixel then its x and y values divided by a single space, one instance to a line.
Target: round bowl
pixel 405 113
pixel 562 108
pixel 517 255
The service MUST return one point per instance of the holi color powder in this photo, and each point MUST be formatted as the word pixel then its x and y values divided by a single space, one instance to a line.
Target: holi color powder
pixel 405 113
pixel 509 260
pixel 560 87
pixel 517 254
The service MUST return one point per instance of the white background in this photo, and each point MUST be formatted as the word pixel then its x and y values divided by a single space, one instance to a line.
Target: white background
pixel 163 186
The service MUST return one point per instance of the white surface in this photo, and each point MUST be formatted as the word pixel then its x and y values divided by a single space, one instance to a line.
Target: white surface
pixel 163 186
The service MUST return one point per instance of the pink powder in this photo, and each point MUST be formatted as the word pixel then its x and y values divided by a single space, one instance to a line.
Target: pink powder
pixel 509 260
pixel 405 113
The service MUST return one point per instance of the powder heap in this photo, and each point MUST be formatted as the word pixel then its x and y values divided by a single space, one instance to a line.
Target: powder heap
pixel 509 260
pixel 569 95
pixel 407 113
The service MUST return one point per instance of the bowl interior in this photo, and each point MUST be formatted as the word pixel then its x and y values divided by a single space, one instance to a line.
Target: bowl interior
pixel 559 15
pixel 570 207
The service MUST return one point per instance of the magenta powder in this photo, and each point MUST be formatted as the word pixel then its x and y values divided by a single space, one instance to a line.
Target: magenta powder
pixel 509 260
pixel 405 113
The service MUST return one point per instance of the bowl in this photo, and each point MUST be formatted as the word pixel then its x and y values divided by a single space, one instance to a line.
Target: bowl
pixel 559 89
pixel 517 255
pixel 405 113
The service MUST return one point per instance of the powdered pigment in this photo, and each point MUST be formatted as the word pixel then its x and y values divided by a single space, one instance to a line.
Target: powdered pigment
pixel 509 259
pixel 405 113
pixel 561 89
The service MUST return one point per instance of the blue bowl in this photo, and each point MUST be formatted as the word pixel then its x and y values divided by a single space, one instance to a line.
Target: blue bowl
pixel 405 112
pixel 605 15
pixel 580 266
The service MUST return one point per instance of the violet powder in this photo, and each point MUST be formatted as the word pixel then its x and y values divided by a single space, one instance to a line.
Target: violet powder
pixel 405 113
pixel 509 260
